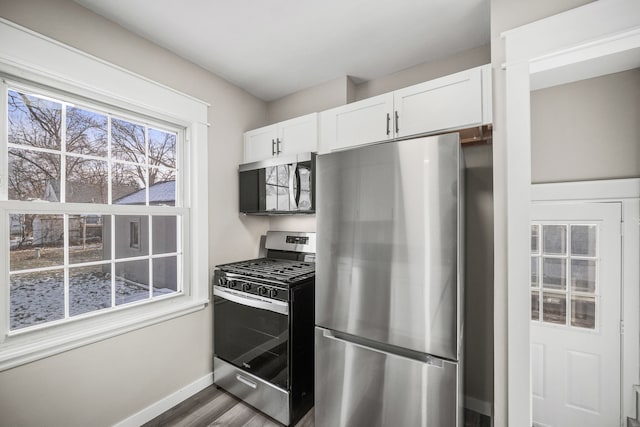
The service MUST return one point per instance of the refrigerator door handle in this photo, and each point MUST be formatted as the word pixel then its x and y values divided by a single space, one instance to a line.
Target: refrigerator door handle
pixel 336 336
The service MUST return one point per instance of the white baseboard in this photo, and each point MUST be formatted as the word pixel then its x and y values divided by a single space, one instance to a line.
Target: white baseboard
pixel 166 403
pixel 479 406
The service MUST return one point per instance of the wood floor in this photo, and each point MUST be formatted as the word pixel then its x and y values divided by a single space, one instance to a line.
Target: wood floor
pixel 215 407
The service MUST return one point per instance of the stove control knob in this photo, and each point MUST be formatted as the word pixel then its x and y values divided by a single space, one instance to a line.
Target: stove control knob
pixel 233 284
pixel 273 293
pixel 246 287
pixel 222 281
pixel 263 291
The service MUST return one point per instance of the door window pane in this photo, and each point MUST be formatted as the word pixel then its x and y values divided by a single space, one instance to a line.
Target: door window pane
pixel 535 305
pixel 583 275
pixel 36 298
pixel 554 273
pixel 534 271
pixel 535 238
pixel 554 239
pixel 554 308
pixel 583 312
pixel 89 289
pixel 583 240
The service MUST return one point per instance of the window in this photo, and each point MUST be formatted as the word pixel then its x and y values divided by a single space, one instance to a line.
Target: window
pixel 86 148
pixel 71 256
pixel 134 234
pixel 564 274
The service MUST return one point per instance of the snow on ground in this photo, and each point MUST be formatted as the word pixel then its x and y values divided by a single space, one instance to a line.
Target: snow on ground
pixel 39 297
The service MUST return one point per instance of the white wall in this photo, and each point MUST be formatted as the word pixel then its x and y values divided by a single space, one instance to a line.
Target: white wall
pixel 421 73
pixel 587 130
pixel 324 96
pixel 103 383
pixel 505 15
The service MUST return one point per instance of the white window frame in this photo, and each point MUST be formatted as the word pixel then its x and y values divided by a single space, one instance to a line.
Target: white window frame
pixel 35 58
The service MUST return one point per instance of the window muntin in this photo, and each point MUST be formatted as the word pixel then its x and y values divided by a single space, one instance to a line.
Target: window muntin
pixel 65 261
pixel 564 274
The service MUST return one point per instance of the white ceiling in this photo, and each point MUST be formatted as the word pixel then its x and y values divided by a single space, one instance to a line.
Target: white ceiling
pixel 272 48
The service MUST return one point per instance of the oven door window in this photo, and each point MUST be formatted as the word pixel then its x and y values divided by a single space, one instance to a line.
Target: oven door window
pixel 252 339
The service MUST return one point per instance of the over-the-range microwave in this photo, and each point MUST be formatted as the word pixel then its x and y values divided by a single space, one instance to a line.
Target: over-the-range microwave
pixel 278 186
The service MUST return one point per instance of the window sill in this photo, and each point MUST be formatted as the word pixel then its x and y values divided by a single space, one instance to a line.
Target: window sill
pixel 27 347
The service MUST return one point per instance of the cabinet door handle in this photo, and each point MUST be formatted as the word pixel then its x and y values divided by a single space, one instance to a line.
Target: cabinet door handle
pixel 397 123
pixel 273 147
pixel 278 144
pixel 388 121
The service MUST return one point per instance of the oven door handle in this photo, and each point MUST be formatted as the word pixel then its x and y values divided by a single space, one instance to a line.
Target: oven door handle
pixel 276 306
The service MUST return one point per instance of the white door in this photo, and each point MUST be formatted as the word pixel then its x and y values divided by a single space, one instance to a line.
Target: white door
pixel 575 314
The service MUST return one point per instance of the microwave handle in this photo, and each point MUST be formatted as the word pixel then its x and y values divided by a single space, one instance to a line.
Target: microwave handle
pixel 294 186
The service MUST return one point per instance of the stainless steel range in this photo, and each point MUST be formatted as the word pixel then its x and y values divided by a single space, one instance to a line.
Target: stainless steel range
pixel 263 327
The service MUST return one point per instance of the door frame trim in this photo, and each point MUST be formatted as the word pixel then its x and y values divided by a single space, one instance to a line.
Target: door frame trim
pixel 627 193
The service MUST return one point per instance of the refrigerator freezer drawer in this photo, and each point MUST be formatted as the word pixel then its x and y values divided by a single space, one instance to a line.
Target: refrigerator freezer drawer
pixel 361 386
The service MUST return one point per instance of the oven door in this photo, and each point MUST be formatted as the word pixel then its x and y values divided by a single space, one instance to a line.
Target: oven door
pixel 252 333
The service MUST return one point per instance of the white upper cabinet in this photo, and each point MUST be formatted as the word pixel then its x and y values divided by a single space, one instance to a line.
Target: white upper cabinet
pixel 293 136
pixel 357 123
pixel 457 101
pixel 449 102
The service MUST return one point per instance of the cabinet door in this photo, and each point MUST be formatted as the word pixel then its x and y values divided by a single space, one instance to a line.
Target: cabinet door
pixel 451 102
pixel 260 144
pixel 358 123
pixel 298 135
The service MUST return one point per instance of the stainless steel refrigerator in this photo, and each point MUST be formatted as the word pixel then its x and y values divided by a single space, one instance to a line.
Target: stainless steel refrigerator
pixel 389 285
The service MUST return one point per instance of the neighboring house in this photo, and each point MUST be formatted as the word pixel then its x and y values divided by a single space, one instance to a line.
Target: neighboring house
pixel 132 238
pixel 48 229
